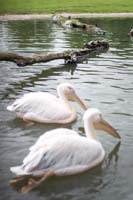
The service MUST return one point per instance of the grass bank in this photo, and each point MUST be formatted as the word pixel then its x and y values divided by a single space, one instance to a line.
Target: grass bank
pixel 70 6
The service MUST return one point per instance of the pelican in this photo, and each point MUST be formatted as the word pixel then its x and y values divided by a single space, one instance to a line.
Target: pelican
pixel 46 108
pixel 62 151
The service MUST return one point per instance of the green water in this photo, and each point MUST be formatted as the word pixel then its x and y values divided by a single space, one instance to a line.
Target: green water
pixel 104 81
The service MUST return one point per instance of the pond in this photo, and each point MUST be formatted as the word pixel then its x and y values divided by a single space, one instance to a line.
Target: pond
pixel 104 81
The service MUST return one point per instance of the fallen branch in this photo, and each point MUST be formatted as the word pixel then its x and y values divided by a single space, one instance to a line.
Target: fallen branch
pixel 68 56
pixel 75 23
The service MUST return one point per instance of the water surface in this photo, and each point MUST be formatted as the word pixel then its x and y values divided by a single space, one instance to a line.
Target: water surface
pixel 104 81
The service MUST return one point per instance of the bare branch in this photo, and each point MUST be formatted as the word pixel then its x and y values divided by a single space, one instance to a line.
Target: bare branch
pixel 71 56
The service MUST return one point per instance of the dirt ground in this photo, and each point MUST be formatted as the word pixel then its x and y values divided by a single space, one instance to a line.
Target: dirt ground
pixel 7 17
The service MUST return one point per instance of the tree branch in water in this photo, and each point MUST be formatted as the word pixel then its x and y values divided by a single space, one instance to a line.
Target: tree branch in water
pixel 68 56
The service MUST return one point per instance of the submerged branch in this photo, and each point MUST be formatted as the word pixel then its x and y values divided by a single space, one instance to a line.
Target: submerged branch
pixel 75 23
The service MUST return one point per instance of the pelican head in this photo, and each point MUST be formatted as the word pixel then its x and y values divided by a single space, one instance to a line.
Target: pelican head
pixel 94 117
pixel 67 90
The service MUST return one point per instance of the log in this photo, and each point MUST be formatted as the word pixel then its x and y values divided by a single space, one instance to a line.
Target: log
pixel 75 23
pixel 68 56
pixel 23 60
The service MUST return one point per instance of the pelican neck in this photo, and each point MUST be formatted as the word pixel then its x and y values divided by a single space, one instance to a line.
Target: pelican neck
pixel 89 129
pixel 63 98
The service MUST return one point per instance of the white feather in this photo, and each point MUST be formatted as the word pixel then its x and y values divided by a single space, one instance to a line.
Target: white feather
pixel 46 108
pixel 64 151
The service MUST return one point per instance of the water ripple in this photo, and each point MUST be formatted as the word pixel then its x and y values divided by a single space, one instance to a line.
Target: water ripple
pixel 103 80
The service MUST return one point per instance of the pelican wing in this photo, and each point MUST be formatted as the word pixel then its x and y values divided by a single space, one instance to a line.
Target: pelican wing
pixel 45 139
pixel 71 151
pixel 63 153
pixel 41 107
pixel 50 135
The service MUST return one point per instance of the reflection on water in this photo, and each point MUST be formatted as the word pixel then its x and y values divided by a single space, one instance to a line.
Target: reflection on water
pixel 104 80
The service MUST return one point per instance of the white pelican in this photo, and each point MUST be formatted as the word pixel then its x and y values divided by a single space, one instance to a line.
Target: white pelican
pixel 62 152
pixel 46 108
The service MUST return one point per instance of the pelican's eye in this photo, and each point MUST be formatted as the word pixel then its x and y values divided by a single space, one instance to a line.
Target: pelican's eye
pixel 98 117
pixel 70 89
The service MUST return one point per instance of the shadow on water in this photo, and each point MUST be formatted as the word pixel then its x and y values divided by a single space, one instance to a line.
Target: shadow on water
pixel 31 81
pixel 19 123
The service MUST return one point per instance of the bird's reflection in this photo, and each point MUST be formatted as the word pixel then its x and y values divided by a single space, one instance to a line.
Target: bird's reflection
pixel 31 81
pixel 113 155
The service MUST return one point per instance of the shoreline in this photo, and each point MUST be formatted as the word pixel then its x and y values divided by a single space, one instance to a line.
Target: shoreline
pixel 11 17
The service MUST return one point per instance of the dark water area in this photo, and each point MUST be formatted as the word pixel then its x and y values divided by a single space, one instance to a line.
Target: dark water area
pixel 104 81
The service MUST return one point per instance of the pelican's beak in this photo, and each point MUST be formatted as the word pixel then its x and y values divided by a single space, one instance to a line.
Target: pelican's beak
pixel 105 126
pixel 80 102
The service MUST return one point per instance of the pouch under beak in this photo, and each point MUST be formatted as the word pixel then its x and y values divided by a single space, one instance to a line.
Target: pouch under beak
pixel 80 102
pixel 105 126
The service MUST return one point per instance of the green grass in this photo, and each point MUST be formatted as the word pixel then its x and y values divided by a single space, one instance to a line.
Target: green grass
pixel 72 6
